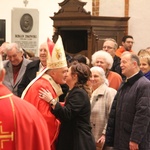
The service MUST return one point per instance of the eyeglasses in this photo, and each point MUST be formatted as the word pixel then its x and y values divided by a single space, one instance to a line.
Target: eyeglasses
pixel 108 47
pixel 129 42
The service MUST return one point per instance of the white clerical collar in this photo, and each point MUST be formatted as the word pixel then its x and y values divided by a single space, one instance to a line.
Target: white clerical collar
pixel 132 75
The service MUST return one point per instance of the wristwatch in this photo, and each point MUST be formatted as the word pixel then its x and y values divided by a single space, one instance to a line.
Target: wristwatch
pixel 53 102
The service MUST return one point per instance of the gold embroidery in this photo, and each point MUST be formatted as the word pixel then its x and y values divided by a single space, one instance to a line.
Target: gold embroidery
pixel 13 109
pixel 5 136
pixel 55 86
pixel 58 53
pixel 5 96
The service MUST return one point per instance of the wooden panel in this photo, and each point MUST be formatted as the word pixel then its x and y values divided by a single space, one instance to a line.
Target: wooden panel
pixel 83 33
pixel 74 40
pixel 2 31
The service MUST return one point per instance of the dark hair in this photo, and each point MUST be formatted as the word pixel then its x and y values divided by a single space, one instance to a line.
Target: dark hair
pixel 80 58
pixel 83 73
pixel 68 58
pixel 126 37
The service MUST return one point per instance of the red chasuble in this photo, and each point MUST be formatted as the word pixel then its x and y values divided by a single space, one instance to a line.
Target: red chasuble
pixel 7 130
pixel 22 127
pixel 32 96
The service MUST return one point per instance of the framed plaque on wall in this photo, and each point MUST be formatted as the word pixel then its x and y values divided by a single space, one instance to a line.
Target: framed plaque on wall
pixel 25 28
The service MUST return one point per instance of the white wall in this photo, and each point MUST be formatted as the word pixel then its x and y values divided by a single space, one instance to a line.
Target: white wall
pixel 46 9
pixel 139 23
pixel 112 8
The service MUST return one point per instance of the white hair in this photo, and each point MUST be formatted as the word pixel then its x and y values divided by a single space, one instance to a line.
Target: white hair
pixel 102 54
pixel 10 46
pixel 101 73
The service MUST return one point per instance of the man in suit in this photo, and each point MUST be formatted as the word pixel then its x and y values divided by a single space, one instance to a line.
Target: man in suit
pixel 129 120
pixel 15 66
pixel 34 68
pixel 110 46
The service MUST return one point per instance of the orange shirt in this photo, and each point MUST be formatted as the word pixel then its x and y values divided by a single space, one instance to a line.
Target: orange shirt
pixel 120 50
pixel 114 80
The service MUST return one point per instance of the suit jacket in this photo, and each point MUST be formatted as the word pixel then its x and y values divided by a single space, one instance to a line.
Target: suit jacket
pixel 30 73
pixel 8 80
pixel 116 66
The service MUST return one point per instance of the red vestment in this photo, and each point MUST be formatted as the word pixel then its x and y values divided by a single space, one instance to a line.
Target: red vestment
pixel 22 127
pixel 32 96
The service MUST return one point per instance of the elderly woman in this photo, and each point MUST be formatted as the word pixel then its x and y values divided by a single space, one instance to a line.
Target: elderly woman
pixel 101 101
pixel 105 61
pixel 145 65
pixel 75 131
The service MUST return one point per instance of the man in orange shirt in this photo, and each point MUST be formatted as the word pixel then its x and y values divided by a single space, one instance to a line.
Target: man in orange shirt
pixel 127 43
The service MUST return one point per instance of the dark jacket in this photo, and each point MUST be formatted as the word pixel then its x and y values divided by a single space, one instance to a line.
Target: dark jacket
pixel 29 75
pixel 129 118
pixel 147 75
pixel 75 131
pixel 116 66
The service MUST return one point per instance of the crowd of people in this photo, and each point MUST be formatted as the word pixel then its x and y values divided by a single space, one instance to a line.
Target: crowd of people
pixel 60 102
